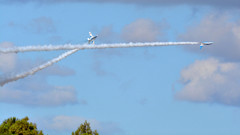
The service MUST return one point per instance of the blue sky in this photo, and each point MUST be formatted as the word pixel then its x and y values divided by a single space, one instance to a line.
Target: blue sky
pixel 172 90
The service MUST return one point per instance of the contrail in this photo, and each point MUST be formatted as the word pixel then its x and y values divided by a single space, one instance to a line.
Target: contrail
pixel 87 46
pixel 10 78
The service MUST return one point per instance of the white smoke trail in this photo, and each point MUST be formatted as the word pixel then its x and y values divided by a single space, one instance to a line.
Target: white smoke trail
pixel 73 49
pixel 87 46
pixel 7 79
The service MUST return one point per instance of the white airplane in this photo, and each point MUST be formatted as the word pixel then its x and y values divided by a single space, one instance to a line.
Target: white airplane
pixel 91 38
pixel 205 43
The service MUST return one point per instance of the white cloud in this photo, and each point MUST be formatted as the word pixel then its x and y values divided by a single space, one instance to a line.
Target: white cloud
pixel 215 80
pixel 71 123
pixel 211 81
pixel 223 30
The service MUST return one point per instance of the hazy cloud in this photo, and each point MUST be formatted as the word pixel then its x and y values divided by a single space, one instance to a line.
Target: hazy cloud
pixel 71 123
pixel 7 61
pixel 214 3
pixel 127 85
pixel 34 90
pixel 40 25
pixel 140 30
pixel 143 30
pixel 98 65
pixel 223 30
pixel 98 68
pixel 58 71
pixel 143 101
pixel 107 35
pixel 211 81
pixel 52 96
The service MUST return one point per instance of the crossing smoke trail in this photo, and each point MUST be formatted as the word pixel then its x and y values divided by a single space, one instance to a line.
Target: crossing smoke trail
pixel 87 46
pixel 73 49
pixel 4 80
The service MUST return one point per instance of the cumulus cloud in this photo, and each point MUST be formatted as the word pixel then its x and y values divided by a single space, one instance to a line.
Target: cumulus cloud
pixel 143 30
pixel 223 30
pixel 214 80
pixel 34 90
pixel 211 81
pixel 215 3
pixel 71 123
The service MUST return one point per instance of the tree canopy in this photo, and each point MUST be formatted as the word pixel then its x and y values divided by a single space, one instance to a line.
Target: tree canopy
pixel 85 129
pixel 14 126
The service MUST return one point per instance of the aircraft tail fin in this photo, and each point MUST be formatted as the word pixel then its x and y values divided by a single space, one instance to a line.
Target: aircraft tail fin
pixel 90 34
pixel 201 46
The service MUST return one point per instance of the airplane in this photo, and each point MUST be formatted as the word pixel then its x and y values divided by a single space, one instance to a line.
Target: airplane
pixel 205 43
pixel 91 38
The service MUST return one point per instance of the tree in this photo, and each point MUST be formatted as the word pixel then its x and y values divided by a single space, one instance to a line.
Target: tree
pixel 14 126
pixel 85 129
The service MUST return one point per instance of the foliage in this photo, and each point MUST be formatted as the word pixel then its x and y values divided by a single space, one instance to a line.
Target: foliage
pixel 85 129
pixel 14 126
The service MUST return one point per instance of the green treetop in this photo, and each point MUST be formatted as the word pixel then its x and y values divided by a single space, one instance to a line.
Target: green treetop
pixel 14 126
pixel 85 129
